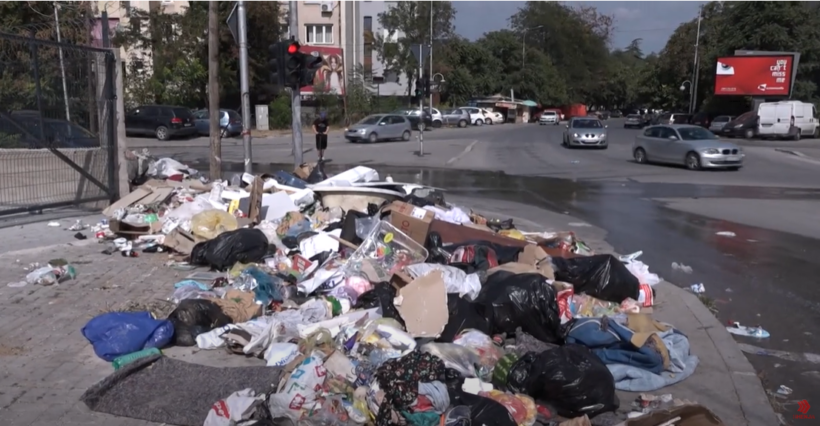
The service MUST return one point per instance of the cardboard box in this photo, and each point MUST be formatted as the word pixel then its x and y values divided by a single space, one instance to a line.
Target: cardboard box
pixel 180 241
pixel 412 220
pixel 128 230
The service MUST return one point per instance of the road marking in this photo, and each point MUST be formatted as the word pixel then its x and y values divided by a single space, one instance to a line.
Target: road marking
pixel 463 153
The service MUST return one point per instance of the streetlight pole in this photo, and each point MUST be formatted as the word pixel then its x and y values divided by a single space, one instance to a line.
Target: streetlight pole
pixel 524 43
pixel 244 84
pixel 431 54
pixel 695 72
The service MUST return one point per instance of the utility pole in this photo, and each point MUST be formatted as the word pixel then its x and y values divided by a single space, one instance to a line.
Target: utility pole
pixel 62 64
pixel 242 23
pixel 421 102
pixel 431 56
pixel 295 95
pixel 695 72
pixel 213 91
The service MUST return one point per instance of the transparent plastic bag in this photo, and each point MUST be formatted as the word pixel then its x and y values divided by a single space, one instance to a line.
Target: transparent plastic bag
pixel 460 358
pixel 387 250
pixel 488 352
pixel 365 225
pixel 210 223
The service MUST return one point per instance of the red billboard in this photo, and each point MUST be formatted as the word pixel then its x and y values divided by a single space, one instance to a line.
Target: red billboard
pixel 754 75
pixel 331 75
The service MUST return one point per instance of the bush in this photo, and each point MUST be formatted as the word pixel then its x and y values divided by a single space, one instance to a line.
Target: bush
pixel 279 113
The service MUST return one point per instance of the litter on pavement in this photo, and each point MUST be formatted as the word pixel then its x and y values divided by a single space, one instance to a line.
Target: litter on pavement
pixel 355 300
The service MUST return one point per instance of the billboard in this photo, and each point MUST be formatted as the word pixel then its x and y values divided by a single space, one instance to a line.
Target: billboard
pixel 331 76
pixel 754 75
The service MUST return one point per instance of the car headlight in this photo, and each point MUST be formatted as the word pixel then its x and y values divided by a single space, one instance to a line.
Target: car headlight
pixel 362 131
pixel 738 126
pixel 575 135
pixel 711 151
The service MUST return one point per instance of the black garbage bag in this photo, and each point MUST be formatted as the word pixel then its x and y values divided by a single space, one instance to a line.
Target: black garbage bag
pixel 193 317
pixel 570 377
pixel 318 173
pixel 503 254
pixel 349 227
pixel 463 315
pixel 242 245
pixel 382 297
pixel 527 301
pixel 480 410
pixel 435 253
pixel 473 258
pixel 601 276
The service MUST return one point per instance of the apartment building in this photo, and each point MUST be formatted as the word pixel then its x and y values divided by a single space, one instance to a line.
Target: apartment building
pixel 361 28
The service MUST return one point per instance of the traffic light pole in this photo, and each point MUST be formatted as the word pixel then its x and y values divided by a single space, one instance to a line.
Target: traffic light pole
pixel 421 104
pixel 243 84
pixel 295 96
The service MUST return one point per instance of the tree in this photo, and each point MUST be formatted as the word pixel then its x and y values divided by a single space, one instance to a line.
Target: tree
pixel 408 23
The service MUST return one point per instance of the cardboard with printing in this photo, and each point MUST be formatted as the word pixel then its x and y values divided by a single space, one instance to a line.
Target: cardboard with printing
pixel 412 220
pixel 422 303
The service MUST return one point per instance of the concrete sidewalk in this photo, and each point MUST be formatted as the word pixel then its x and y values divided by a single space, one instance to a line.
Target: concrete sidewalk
pixel 47 364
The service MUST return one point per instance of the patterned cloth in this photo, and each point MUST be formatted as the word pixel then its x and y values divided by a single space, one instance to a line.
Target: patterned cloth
pixel 400 378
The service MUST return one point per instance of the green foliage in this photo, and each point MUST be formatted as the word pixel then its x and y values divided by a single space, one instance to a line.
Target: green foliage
pixel 280 115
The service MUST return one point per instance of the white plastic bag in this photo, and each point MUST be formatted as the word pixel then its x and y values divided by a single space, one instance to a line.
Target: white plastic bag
pixel 299 391
pixel 233 409
pixel 455 280
pixel 280 354
pixel 641 271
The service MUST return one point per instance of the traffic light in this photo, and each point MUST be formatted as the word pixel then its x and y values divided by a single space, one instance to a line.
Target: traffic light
pixel 276 64
pixel 293 65
pixel 311 65
pixel 419 88
pixel 426 85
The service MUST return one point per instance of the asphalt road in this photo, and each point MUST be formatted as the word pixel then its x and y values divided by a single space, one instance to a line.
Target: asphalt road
pixel 766 274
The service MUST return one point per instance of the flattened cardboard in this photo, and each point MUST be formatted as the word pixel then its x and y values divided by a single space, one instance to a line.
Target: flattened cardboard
pixel 180 241
pixel 413 221
pixel 690 415
pixel 422 303
pixel 537 258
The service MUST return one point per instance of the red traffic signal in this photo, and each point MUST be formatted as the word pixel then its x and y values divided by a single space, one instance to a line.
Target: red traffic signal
pixel 293 48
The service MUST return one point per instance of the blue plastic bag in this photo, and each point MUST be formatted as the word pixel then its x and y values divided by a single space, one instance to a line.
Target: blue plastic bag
pixel 120 333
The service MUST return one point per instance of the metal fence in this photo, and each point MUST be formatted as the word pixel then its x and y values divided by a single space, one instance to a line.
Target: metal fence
pixel 57 124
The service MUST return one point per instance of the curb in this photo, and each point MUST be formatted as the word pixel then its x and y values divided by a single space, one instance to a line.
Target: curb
pixel 798 154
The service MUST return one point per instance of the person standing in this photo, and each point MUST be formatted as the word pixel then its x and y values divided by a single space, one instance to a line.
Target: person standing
pixel 320 128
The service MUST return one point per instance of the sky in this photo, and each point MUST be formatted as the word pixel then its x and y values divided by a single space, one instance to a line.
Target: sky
pixel 653 21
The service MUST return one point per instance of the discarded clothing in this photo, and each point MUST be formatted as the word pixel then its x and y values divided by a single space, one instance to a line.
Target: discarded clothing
pixel 682 364
pixel 436 392
pixel 399 378
pixel 611 342
pixel 238 305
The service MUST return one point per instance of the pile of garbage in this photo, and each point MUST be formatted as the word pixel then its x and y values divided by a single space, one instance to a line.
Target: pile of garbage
pixel 381 304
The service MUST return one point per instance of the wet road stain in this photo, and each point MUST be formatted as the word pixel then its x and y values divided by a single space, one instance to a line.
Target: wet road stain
pixel 760 277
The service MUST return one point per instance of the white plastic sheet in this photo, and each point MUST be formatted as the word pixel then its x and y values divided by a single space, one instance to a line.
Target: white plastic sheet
pixel 349 177
pixel 455 280
pixel 454 215
pixel 641 271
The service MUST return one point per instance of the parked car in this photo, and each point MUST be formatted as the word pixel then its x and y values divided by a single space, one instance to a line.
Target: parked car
pixel 743 126
pixel 703 119
pixel 162 121
pixel 229 121
pixel 380 127
pixel 494 117
pixel 585 131
pixel 719 122
pixel 549 117
pixel 791 119
pixel 671 118
pixel 478 116
pixel 435 115
pixel 634 121
pixel 616 114
pixel 691 146
pixel 22 131
pixel 415 118
pixel 456 117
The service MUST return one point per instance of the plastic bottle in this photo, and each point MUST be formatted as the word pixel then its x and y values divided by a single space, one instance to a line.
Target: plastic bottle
pixel 121 361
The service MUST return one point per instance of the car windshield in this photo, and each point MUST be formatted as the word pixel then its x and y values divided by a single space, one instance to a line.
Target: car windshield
pixel 633 116
pixel 587 124
pixel 745 116
pixel 549 112
pixel 695 134
pixel 373 119
pixel 400 112
pixel 721 118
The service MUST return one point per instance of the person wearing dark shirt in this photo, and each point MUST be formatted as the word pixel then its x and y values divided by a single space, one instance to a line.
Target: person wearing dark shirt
pixel 320 128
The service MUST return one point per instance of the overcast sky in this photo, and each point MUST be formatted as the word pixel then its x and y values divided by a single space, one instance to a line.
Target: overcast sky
pixel 653 21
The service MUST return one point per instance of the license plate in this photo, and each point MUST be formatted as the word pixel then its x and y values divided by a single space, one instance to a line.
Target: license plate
pixel 188 124
pixel 726 130
pixel 733 158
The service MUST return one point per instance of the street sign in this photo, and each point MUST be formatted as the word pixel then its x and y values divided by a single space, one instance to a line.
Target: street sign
pixel 420 51
pixel 233 24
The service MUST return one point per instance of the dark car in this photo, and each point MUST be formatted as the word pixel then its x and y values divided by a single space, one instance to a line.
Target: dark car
pixel 743 126
pixel 414 116
pixel 229 121
pixel 616 114
pixel 634 121
pixel 703 119
pixel 162 121
pixel 23 130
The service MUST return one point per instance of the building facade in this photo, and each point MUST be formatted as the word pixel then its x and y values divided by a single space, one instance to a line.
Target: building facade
pixel 360 31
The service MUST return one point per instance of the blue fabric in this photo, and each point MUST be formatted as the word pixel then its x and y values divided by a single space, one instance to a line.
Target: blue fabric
pixel 115 334
pixel 612 344
pixel 682 364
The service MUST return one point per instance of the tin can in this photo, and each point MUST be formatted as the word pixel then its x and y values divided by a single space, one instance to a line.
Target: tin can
pixel 100 235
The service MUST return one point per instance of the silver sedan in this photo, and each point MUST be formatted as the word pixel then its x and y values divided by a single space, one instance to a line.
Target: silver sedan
pixel 586 132
pixel 690 146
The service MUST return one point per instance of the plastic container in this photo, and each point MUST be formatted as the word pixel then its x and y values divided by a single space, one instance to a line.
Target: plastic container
pixel 387 250
pixel 127 359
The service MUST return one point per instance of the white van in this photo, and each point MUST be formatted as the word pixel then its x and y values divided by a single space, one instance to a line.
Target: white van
pixel 777 118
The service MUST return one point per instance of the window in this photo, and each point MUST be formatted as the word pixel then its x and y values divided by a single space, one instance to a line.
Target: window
pixel 367 63
pixel 666 133
pixel 695 134
pixel 651 132
pixel 319 34
pixel 368 24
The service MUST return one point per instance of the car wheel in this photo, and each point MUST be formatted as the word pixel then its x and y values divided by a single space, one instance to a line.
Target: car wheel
pixel 405 136
pixel 462 123
pixel 733 169
pixel 479 122
pixel 436 124
pixel 640 156
pixel 692 161
pixel 797 135
pixel 162 133
pixel 749 133
pixel 373 138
